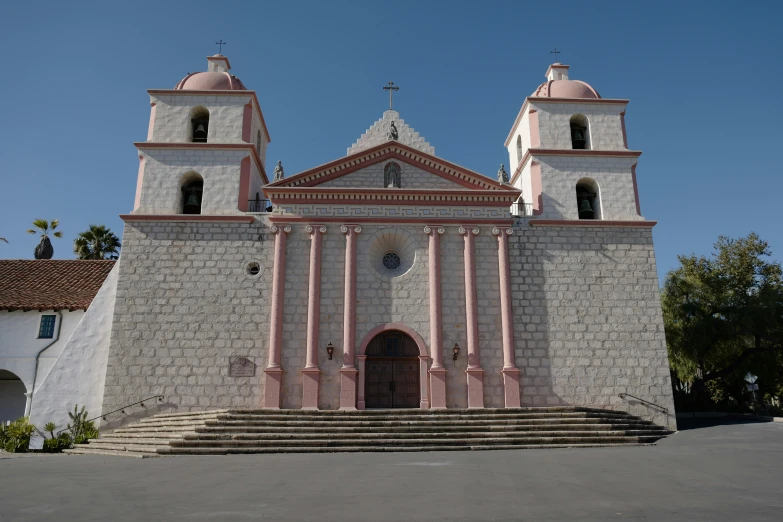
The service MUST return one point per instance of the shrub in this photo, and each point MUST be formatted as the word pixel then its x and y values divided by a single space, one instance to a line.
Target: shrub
pixel 16 438
pixel 81 430
pixel 57 444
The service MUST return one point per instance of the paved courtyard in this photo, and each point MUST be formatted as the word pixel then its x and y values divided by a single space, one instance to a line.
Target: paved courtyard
pixel 722 472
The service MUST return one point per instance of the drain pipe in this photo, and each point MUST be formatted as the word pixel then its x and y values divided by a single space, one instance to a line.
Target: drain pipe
pixel 37 357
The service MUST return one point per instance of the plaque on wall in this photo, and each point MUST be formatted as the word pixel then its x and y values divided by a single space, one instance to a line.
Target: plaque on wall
pixel 239 366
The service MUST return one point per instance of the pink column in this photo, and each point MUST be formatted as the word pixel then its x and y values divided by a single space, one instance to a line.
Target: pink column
pixel 475 374
pixel 437 372
pixel 510 371
pixel 348 371
pixel 273 372
pixel 311 373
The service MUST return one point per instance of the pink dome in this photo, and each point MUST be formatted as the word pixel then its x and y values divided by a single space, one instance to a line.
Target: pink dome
pixel 210 81
pixel 566 89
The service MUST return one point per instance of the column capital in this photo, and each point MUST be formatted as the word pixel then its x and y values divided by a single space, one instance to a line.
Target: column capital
pixel 464 230
pixel 275 229
pixel 345 229
pixel 501 231
pixel 428 230
pixel 312 228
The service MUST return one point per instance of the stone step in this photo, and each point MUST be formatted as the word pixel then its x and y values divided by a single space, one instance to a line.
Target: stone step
pixel 441 436
pixel 416 442
pixel 184 414
pixel 134 447
pixel 92 451
pixel 400 449
pixel 427 428
pixel 382 423
pixel 419 411
pixel 417 418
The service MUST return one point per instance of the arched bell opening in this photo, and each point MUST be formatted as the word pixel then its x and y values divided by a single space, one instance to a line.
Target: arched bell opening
pixel 12 396
pixel 588 199
pixel 580 132
pixel 199 124
pixel 192 193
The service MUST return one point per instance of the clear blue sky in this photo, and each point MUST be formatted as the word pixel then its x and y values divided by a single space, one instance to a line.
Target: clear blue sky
pixel 704 80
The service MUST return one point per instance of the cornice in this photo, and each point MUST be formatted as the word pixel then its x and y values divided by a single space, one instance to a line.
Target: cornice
pixel 159 145
pixel 183 92
pixel 584 153
pixel 186 218
pixel 396 220
pixel 339 196
pixel 590 223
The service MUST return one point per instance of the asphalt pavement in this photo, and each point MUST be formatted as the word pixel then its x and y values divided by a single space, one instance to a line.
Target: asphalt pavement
pixel 718 472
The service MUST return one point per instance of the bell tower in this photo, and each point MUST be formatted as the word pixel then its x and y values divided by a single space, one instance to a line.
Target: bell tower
pixel 569 153
pixel 206 146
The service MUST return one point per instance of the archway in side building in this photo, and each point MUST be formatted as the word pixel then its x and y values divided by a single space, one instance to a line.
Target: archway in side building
pixel 393 364
pixel 12 396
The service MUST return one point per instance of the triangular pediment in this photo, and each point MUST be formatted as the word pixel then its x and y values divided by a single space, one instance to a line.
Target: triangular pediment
pixel 364 170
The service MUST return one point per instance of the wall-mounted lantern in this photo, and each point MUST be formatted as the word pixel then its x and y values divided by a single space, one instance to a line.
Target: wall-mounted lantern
pixel 330 349
pixel 455 349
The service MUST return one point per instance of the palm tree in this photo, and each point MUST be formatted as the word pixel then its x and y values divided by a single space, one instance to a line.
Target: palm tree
pixel 97 242
pixel 44 250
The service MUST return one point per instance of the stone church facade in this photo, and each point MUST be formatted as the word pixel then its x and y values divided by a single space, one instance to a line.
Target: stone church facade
pixel 389 277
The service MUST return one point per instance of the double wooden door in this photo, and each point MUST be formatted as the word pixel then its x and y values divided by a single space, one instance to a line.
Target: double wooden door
pixel 392 375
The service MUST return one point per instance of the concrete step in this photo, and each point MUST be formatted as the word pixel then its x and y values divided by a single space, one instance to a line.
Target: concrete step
pixel 413 418
pixel 386 442
pixel 419 411
pixel 426 429
pixel 365 424
pixel 352 449
pixel 92 451
pixel 133 447
pixel 442 436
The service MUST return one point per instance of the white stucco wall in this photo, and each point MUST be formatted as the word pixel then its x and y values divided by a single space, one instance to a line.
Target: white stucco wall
pixel 522 129
pixel 78 374
pixel 19 342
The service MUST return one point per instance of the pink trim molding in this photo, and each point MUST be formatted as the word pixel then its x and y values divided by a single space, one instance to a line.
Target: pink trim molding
pixel 401 219
pixel 273 371
pixel 535 139
pixel 244 184
pixel 139 183
pixel 348 371
pixel 311 373
pixel 474 372
pixel 247 122
pixel 437 372
pixel 510 371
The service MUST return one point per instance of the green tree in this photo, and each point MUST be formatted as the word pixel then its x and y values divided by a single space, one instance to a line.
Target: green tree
pixel 45 250
pixel 723 316
pixel 97 242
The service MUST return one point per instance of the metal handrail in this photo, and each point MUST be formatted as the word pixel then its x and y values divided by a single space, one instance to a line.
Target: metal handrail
pixel 624 395
pixel 122 409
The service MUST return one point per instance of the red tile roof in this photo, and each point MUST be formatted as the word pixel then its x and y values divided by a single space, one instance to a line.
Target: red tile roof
pixel 48 284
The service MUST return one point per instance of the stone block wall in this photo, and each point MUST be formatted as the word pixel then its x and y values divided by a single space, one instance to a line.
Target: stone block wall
pixel 560 174
pixel 605 124
pixel 588 321
pixel 172 117
pixel 185 304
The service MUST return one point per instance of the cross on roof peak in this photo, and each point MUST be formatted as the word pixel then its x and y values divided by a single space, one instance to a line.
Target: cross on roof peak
pixel 391 88
pixel 555 52
pixel 221 43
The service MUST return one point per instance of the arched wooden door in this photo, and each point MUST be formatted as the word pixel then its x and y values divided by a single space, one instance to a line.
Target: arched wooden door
pixel 392 372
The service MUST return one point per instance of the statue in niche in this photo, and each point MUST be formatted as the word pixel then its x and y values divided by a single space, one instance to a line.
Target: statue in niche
pixel 502 174
pixel 391 176
pixel 392 134
pixel 279 174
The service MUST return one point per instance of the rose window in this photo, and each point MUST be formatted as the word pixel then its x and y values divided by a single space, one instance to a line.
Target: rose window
pixel 391 260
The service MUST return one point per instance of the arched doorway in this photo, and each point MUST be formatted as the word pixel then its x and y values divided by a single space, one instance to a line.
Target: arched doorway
pixel 12 396
pixel 391 377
